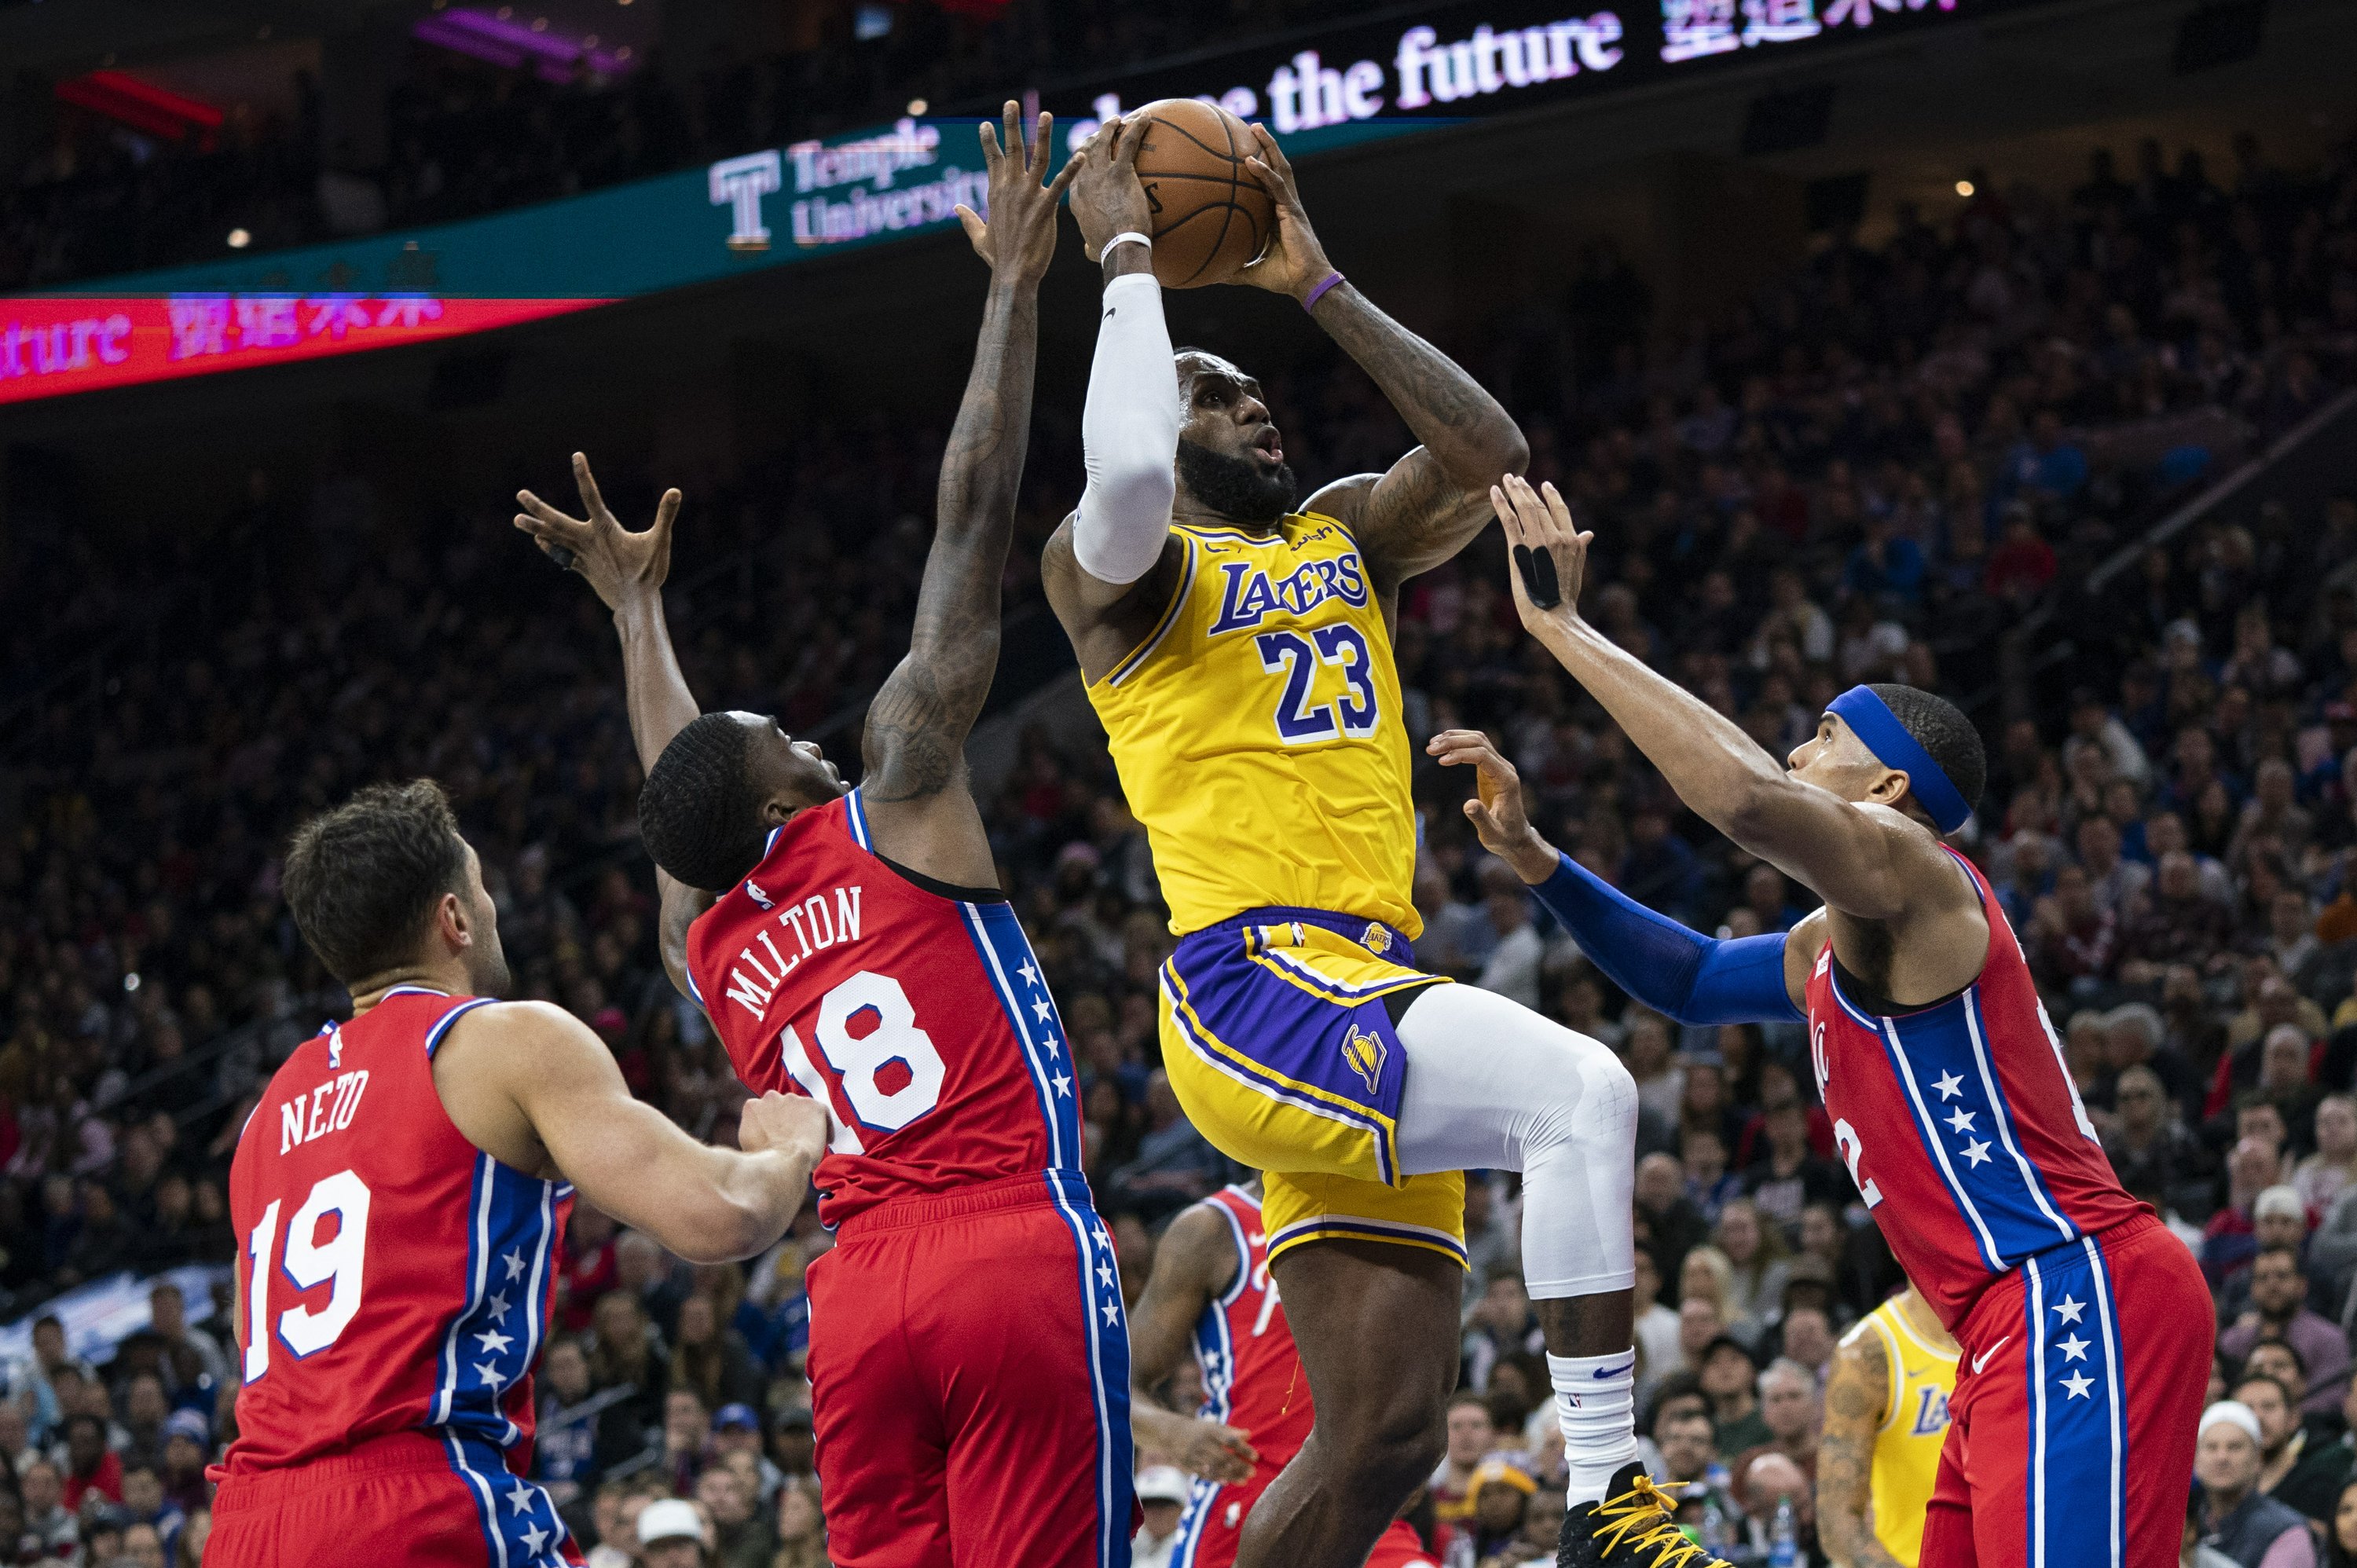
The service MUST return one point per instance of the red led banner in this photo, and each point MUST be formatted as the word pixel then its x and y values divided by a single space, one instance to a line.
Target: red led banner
pixel 48 347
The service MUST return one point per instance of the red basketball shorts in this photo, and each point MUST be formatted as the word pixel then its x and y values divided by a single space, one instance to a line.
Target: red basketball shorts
pixel 413 1499
pixel 968 1368
pixel 2070 1429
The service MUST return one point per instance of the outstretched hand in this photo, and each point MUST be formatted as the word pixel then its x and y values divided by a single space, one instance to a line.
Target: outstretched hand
pixel 1018 238
pixel 1294 262
pixel 1107 199
pixel 1496 810
pixel 1539 521
pixel 617 562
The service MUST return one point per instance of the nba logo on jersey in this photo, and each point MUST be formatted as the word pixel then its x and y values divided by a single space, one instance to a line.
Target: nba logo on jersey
pixel 1364 1052
pixel 753 891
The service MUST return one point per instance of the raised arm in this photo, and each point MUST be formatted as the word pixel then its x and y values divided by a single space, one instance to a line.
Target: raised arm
pixel 1857 1398
pixel 1193 1263
pixel 628 570
pixel 1431 503
pixel 531 1084
pixel 1111 565
pixel 1862 859
pixel 918 807
pixel 1680 972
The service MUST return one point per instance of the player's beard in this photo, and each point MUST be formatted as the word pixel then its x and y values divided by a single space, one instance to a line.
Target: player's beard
pixel 1236 488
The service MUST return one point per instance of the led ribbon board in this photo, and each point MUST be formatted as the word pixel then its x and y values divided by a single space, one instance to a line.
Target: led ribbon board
pixel 1417 69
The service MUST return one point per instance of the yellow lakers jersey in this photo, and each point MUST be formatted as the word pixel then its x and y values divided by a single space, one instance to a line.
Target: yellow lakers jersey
pixel 1914 1427
pixel 1258 734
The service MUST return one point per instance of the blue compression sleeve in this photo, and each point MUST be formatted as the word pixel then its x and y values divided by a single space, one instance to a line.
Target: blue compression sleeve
pixel 1693 978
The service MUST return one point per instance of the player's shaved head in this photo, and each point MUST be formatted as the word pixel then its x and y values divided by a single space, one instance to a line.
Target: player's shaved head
pixel 723 781
pixel 699 810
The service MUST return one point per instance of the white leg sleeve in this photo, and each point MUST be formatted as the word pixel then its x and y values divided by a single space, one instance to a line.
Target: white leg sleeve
pixel 1493 1086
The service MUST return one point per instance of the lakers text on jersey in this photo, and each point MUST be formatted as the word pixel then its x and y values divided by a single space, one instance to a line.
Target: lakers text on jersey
pixel 1914 1426
pixel 1258 732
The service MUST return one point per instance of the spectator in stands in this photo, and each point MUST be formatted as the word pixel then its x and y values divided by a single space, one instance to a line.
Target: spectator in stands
pixel 1788 1408
pixel 791 1447
pixel 2278 1310
pixel 2249 1528
pixel 2281 1437
pixel 1688 1445
pixel 1766 1482
pixel 2148 1147
pixel 621 1357
pixel 1656 1328
pixel 2175 922
pixel 672 1534
pixel 168 1318
pixel 1807 1339
pixel 737 1429
pixel 1758 1270
pixel 47 1520
pixel 1730 1376
pixel 1491 1241
pixel 187 1445
pixel 1471 1437
pixel 1513 967
pixel 710 1358
pixel 1501 1324
pixel 652 1277
pixel 1175 1164
pixel 2253 1167
pixel 564 1441
pixel 1664 1213
pixel 2328 1462
pixel 742 1536
pixel 2320 1179
pixel 91 1466
pixel 2340 1522
pixel 686 1439
pixel 801 1532
pixel 1789 1175
pixel 1162 1495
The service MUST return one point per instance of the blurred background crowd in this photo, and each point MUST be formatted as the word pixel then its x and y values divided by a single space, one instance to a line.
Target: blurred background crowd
pixel 1943 458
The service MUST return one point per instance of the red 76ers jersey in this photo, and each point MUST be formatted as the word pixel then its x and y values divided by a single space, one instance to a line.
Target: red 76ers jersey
pixel 920 1017
pixel 1960 1123
pixel 1251 1373
pixel 393 1276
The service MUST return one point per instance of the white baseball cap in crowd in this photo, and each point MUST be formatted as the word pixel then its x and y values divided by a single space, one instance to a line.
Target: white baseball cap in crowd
pixel 1161 1484
pixel 669 1518
pixel 2231 1413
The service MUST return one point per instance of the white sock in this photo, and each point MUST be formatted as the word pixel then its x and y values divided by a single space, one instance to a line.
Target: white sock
pixel 1595 1399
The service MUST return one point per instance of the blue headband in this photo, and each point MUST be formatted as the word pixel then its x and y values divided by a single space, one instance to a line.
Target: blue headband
pixel 1871 719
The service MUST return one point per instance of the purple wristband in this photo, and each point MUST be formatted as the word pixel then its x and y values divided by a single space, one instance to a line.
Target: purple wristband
pixel 1319 292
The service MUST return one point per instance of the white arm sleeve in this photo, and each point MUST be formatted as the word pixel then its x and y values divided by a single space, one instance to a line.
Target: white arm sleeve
pixel 1129 431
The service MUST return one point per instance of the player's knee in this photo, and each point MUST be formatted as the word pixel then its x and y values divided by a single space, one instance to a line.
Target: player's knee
pixel 1592 1102
pixel 1607 1092
pixel 1392 1447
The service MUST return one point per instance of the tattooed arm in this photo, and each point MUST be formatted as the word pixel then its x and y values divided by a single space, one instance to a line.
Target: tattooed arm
pixel 919 809
pixel 628 569
pixel 1434 500
pixel 1857 1397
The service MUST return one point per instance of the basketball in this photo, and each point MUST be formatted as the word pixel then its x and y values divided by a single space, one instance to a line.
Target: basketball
pixel 1211 219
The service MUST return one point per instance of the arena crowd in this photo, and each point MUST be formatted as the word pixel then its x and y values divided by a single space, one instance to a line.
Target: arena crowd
pixel 1870 470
